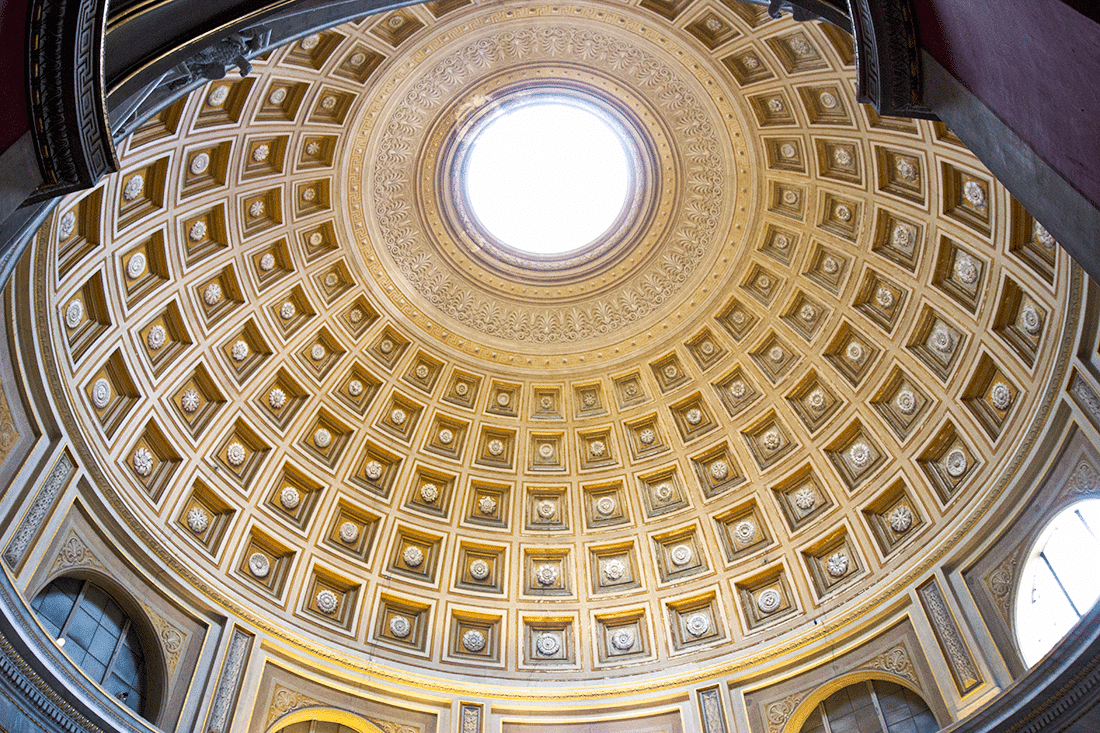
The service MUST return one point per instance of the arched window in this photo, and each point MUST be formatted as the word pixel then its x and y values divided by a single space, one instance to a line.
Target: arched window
pixel 873 706
pixel 1059 582
pixel 97 635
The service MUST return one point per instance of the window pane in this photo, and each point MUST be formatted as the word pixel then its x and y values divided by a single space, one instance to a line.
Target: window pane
pixel 1071 541
pixel 82 628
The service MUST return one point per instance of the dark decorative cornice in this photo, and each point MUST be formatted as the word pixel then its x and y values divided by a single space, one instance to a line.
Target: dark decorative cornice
pixel 65 85
pixel 888 68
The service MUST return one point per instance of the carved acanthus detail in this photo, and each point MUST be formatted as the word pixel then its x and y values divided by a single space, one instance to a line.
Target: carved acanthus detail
pixel 171 638
pixel 895 661
pixel 284 700
pixel 75 554
pixel 779 711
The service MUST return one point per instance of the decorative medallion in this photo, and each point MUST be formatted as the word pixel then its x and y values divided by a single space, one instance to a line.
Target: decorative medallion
pixel 349 532
pixel 290 498
pixel 479 569
pixel 197 519
pixel 259 565
pixel 101 393
pixel 400 626
pixel 546 574
pixel 680 555
pixel 327 602
pixel 473 640
pixel 547 645
pixel 413 556
pixel 623 639
pixel 769 600
pixel 900 519
pixel 697 624
pixel 235 454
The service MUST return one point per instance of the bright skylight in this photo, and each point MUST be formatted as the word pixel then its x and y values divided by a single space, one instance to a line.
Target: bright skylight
pixel 547 178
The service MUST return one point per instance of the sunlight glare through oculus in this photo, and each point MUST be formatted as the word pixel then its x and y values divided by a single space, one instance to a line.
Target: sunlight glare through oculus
pixel 547 178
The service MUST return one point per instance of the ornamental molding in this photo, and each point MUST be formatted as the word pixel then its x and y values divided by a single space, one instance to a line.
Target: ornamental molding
pixel 895 661
pixel 1084 481
pixel 1001 582
pixel 778 712
pixel 75 554
pixel 471 718
pixel 710 710
pixel 43 504
pixel 951 642
pixel 284 700
pixel 229 682
pixel 171 638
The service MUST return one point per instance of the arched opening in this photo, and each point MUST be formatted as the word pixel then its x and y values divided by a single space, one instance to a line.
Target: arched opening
pixel 323 720
pixel 99 637
pixel 871 706
pixel 1058 583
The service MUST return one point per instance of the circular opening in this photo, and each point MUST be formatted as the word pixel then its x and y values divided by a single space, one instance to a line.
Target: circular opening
pixel 547 178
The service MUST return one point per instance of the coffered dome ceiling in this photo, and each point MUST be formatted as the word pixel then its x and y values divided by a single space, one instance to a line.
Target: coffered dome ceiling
pixel 808 355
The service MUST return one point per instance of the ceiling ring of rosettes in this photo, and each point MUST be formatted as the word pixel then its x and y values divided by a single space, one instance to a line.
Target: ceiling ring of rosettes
pixel 847 376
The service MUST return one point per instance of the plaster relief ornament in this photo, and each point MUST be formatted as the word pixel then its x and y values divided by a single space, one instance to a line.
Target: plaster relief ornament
pixel 287 310
pixel 903 236
pixel 235 454
pixel 597 448
pixel 217 96
pixel 694 416
pixel 190 400
pixel 860 455
pixel 316 239
pixel 788 151
pixel 290 498
pixel 276 398
pixel 546 574
pixel 750 62
pixel 828 100
pixel 966 269
pixel 546 403
pixel 349 532
pixel 706 348
pixel 355 388
pixel 328 103
pixel 854 352
pixel 801 46
pixel 1038 232
pixel 837 565
pixel 647 436
pixel 738 389
pixel 805 498
pixel 776 354
pixel 663 492
pixel 906 169
pixel 956 463
pixel 843 158
pixel 462 389
pixel 356 315
pixel 473 640
pixel 267 262
pixel 256 209
pixel 400 626
pixel 1001 396
pixel 763 282
pixel 429 493
pixel 135 266
pixel 1030 320
pixel 277 96
pixel 309 194
pixel 697 624
pixel 101 393
pixel 134 187
pixel 775 104
pixel 156 337
pixel 260 152
pixel 790 196
pixel 769 600
pixel 327 602
pixel 317 352
pixel 143 462
pixel 940 339
pixel 680 555
pixel 197 519
pixel 739 317
pixel 974 193
pixel 259 565
pixel 808 313
pixel 479 569
pixel 200 163
pixel 830 266
pixel 745 532
pixel 671 372
pixel 413 556
pixel 496 447
pixel 719 470
pixel 212 295
pixel 373 470
pixel 781 241
pixel 487 505
pixel 885 298
pixel 68 224
pixel 322 438
pixel 504 399
pixel 905 401
pixel 398 416
pixel 546 508
pixel 422 371
pixel 385 345
pixel 713 24
pixel 843 212
pixel 614 569
pixel 357 59
pixel 547 645
pixel 446 437
pixel 771 440
pixel 900 519
pixel 815 400
pixel 606 505
pixel 310 42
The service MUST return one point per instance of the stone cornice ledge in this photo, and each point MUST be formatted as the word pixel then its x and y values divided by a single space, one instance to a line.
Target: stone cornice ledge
pixel 1054 694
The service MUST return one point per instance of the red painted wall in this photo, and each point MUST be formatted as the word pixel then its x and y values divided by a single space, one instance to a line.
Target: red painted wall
pixel 14 117
pixel 1036 65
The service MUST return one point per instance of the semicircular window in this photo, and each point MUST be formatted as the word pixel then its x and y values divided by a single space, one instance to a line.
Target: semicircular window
pixel 1058 584
pixel 873 706
pixel 97 635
